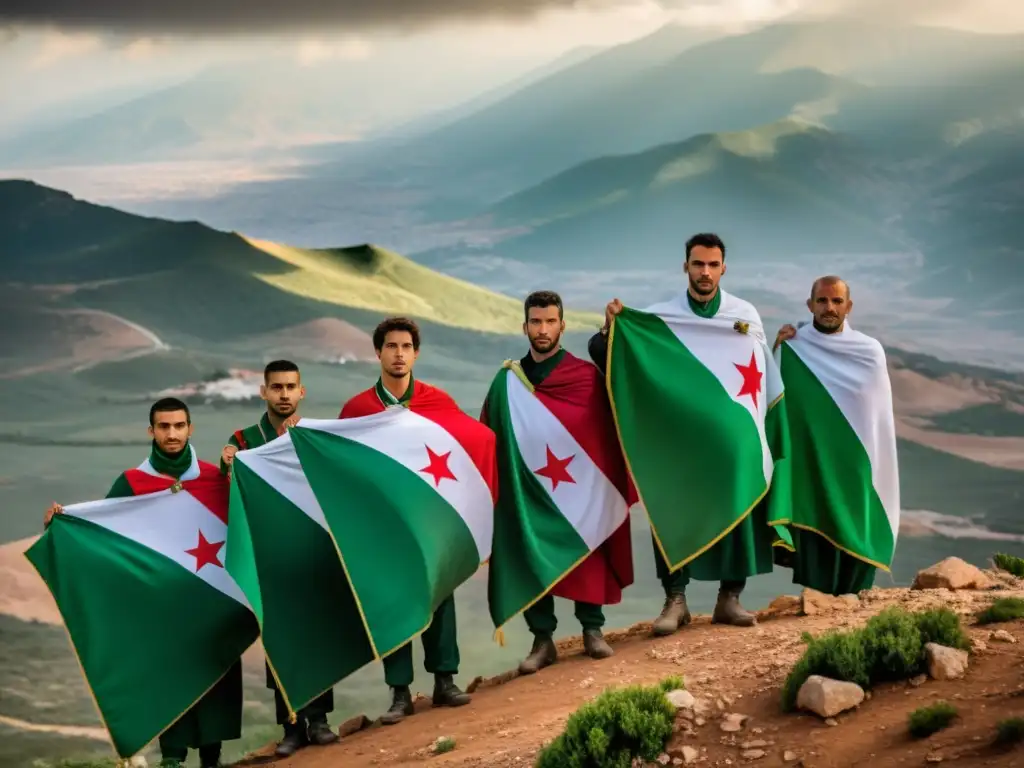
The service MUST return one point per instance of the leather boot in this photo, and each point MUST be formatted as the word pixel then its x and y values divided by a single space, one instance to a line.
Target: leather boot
pixel 729 611
pixel 595 646
pixel 674 615
pixel 447 693
pixel 401 707
pixel 294 739
pixel 320 733
pixel 543 654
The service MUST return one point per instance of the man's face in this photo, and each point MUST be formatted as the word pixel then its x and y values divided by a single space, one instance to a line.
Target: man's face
pixel 543 327
pixel 170 430
pixel 830 304
pixel 397 356
pixel 282 391
pixel 705 268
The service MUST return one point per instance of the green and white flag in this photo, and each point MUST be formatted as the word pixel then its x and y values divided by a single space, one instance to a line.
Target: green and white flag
pixel 843 441
pixel 380 518
pixel 154 618
pixel 698 404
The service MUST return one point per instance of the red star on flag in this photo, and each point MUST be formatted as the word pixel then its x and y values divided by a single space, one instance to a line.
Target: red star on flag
pixel 751 379
pixel 206 552
pixel 555 470
pixel 438 467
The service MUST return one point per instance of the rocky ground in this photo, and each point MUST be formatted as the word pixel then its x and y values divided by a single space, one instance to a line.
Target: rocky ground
pixel 735 677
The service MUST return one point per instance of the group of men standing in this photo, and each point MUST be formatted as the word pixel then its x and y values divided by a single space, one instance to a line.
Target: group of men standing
pixel 597 580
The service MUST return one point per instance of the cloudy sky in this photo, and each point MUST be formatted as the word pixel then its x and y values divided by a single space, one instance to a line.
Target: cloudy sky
pixel 55 51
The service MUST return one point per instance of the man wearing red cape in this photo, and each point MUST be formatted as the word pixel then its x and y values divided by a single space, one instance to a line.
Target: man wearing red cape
pixel 397 343
pixel 573 391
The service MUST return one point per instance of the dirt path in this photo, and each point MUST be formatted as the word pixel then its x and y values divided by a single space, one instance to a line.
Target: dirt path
pixel 81 731
pixel 736 670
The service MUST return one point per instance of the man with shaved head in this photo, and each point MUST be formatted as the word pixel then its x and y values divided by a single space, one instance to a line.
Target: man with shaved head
pixel 845 478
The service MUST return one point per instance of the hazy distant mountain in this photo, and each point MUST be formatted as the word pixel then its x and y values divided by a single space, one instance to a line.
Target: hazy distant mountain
pixel 444 117
pixel 778 190
pixel 604 106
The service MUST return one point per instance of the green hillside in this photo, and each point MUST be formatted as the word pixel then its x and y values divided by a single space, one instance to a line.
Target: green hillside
pixel 188 283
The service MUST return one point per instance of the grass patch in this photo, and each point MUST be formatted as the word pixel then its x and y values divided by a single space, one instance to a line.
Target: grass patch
pixel 672 683
pixel 1003 609
pixel 889 647
pixel 444 744
pixel 1010 732
pixel 1010 564
pixel 613 729
pixel 925 721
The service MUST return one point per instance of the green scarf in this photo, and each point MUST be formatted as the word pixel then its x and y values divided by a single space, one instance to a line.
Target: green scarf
pixel 174 466
pixel 708 308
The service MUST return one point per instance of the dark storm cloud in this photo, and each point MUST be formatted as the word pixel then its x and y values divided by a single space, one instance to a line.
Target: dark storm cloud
pixel 218 16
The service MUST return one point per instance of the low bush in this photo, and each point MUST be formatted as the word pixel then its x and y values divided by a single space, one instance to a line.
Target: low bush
pixel 611 730
pixel 943 627
pixel 1003 609
pixel 925 721
pixel 839 655
pixel 1010 732
pixel 1010 564
pixel 889 647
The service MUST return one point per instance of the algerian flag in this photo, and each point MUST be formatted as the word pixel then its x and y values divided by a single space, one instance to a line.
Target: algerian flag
pixel 380 517
pixel 557 503
pixel 154 618
pixel 697 401
pixel 843 441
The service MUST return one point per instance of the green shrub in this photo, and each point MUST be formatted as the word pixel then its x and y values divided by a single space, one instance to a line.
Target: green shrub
pixel 1010 564
pixel 925 721
pixel 839 655
pixel 1003 609
pixel 889 647
pixel 1010 732
pixel 892 644
pixel 444 744
pixel 611 730
pixel 942 626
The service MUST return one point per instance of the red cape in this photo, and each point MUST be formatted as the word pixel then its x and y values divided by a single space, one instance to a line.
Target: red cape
pixel 210 488
pixel 437 405
pixel 575 393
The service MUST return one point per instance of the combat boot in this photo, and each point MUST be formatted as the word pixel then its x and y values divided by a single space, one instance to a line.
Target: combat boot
pixel 595 646
pixel 447 693
pixel 401 707
pixel 674 615
pixel 543 654
pixel 294 739
pixel 729 611
pixel 320 732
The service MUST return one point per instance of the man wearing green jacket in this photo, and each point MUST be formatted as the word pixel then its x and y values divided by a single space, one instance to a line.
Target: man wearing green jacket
pixel 282 391
pixel 217 716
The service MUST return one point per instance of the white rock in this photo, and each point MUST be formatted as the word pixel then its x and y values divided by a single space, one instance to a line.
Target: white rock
pixel 945 663
pixel 1002 636
pixel 789 756
pixel 732 723
pixel 681 699
pixel 753 754
pixel 664 759
pixel 826 697
pixel 690 755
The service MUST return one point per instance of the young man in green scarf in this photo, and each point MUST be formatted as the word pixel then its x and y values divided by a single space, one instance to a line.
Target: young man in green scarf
pixel 217 716
pixel 747 549
pixel 282 391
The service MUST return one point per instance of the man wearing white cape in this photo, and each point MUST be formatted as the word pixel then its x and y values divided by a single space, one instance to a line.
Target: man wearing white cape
pixel 845 478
